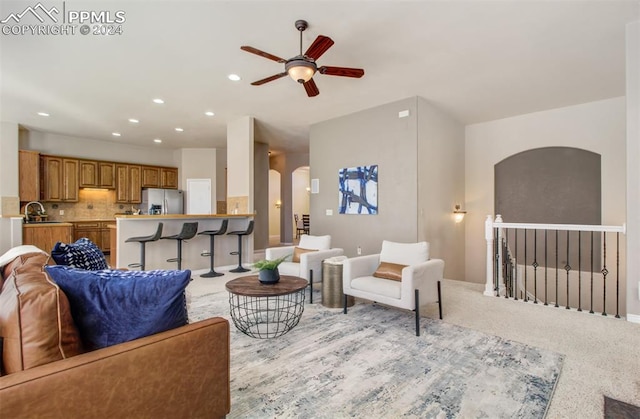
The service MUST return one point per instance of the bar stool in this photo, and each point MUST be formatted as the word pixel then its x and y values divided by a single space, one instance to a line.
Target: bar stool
pixel 188 231
pixel 241 233
pixel 212 234
pixel 143 240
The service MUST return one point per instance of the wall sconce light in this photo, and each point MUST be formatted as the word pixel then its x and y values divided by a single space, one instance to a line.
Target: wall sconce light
pixel 278 204
pixel 458 214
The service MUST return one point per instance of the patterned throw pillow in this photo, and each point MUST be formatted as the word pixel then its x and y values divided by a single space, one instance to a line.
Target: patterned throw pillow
pixel 83 254
pixel 114 306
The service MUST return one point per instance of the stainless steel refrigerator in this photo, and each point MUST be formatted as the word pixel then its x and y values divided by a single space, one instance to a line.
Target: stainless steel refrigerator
pixel 162 201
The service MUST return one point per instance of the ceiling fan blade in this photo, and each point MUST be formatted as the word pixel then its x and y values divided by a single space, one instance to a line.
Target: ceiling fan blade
pixel 319 47
pixel 342 71
pixel 268 79
pixel 311 88
pixel 262 54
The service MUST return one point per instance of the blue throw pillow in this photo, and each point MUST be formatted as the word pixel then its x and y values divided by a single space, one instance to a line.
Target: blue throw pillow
pixel 83 254
pixel 115 306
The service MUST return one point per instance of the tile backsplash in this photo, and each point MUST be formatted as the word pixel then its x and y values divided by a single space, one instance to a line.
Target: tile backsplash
pixel 93 204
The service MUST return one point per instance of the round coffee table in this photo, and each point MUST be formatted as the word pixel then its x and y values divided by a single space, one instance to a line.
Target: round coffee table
pixel 266 311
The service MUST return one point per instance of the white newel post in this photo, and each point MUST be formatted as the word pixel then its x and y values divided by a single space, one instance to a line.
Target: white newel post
pixel 488 235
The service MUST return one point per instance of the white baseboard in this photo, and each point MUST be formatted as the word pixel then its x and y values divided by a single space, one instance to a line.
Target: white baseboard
pixel 633 318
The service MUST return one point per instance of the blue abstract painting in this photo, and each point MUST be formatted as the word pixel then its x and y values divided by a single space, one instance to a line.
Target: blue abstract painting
pixel 358 190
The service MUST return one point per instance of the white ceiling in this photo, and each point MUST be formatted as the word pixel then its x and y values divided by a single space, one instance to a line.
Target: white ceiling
pixel 478 60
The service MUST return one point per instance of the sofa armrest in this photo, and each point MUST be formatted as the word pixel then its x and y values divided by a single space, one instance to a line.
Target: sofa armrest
pixel 272 253
pixel 357 267
pixel 424 277
pixel 183 372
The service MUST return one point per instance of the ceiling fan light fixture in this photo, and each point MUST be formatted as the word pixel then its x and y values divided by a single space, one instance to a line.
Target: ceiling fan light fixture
pixel 300 70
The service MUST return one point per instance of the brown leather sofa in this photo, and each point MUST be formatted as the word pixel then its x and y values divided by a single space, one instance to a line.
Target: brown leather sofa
pixel 179 373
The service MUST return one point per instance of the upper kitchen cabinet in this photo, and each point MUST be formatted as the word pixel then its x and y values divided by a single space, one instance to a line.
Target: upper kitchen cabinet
pixel 128 184
pixel 107 175
pixel 88 174
pixel 150 177
pixel 58 179
pixel 169 177
pixel 29 173
pixel 97 174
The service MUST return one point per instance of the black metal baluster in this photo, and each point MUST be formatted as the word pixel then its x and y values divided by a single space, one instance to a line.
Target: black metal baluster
pixel 604 275
pixel 515 276
pixel 557 268
pixel 617 275
pixel 591 309
pixel 579 270
pixel 535 266
pixel 546 269
pixel 567 268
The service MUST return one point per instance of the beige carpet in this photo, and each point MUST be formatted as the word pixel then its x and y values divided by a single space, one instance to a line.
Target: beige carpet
pixel 601 353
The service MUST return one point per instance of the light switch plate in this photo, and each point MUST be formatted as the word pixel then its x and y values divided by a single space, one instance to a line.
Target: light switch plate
pixel 329 212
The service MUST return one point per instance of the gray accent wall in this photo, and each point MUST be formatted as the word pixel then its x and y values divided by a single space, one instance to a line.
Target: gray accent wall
pixel 417 157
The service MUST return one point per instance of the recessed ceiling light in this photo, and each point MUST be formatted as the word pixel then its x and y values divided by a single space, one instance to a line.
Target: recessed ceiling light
pixel 43 114
pixel 179 129
pixel 116 134
pixel 209 113
pixel 234 77
pixel 133 121
pixel 158 101
pixel 157 140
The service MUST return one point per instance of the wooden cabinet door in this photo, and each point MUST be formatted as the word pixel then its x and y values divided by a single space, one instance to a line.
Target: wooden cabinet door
pixel 107 175
pixel 122 183
pixel 105 239
pixel 150 177
pixel 88 229
pixel 169 178
pixel 45 237
pixel 29 175
pixel 70 180
pixel 135 182
pixel 51 178
pixel 88 174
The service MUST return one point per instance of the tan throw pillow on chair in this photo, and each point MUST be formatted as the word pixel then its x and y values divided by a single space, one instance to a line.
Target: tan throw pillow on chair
pixel 297 251
pixel 388 270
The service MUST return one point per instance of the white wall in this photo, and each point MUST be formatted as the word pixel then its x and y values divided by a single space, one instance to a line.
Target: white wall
pixel 61 145
pixel 240 161
pixel 199 163
pixel 596 126
pixel 633 170
pixel 274 195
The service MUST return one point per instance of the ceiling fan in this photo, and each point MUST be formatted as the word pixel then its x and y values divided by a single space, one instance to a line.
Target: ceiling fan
pixel 302 67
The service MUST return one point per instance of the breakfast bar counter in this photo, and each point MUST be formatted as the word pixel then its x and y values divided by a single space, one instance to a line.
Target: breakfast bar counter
pixel 157 252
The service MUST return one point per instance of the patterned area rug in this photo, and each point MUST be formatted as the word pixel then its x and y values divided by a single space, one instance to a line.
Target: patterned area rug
pixel 369 363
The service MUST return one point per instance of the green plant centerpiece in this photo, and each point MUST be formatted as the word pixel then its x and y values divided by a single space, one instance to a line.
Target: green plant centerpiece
pixel 268 270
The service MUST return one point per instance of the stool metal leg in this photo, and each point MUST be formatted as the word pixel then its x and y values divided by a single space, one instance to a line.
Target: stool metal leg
pixel 239 253
pixel 212 273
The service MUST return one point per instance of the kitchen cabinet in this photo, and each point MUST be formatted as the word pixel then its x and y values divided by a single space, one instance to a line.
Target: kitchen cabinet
pixel 29 175
pixel 58 179
pixel 169 177
pixel 88 174
pixel 96 231
pixel 128 184
pixel 45 236
pixel 150 177
pixel 107 175
pixel 97 174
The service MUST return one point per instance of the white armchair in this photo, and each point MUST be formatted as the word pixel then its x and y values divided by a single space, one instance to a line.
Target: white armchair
pixel 311 250
pixel 402 276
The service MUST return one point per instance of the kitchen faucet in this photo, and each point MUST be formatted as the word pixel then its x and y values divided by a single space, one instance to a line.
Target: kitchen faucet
pixel 26 209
